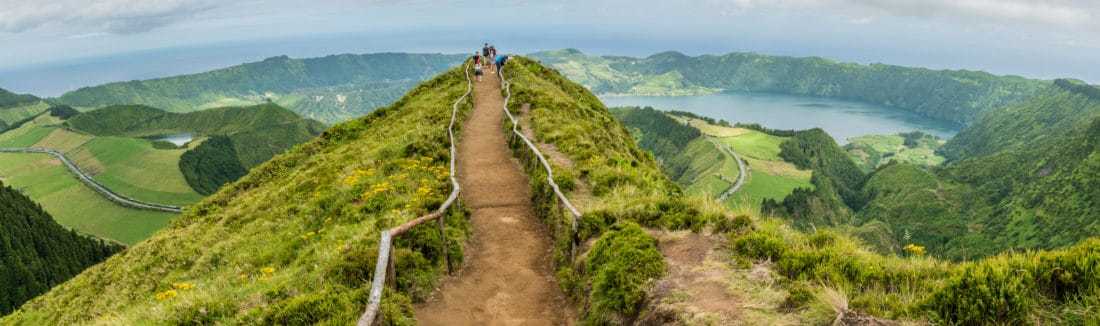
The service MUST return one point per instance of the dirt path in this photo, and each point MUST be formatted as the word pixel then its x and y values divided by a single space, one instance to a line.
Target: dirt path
pixel 696 288
pixel 508 278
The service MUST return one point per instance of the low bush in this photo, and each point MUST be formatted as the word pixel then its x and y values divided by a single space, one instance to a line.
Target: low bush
pixel 622 264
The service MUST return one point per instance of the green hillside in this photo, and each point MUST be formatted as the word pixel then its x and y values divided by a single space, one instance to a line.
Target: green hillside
pixel 243 136
pixel 37 252
pixel 873 151
pixel 330 89
pixel 9 99
pixel 960 96
pixel 77 206
pixel 701 167
pixel 12 116
pixel 1059 110
pixel 294 242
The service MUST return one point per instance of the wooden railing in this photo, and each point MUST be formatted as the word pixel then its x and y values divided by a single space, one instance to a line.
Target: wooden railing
pixel 385 264
pixel 562 199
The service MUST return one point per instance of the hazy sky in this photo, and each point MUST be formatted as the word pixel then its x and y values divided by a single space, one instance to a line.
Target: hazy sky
pixel 1038 38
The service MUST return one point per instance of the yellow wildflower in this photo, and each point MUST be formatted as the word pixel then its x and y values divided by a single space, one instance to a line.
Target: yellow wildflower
pixel 268 271
pixel 183 286
pixel 915 250
pixel 166 295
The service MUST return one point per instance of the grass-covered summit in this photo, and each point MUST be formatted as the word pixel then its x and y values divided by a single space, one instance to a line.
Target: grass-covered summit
pixel 293 242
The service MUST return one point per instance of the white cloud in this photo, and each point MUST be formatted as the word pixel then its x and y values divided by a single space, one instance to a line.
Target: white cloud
pixel 113 16
pixel 1060 13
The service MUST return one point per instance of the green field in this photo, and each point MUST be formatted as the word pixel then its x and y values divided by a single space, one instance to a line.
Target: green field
pixel 755 144
pixel 769 176
pixel 28 134
pixel 128 166
pixel 133 167
pixel 74 205
pixel 15 114
pixel 705 168
pixel 872 151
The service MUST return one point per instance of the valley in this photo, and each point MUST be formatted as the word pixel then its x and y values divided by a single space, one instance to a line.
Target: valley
pixel 105 145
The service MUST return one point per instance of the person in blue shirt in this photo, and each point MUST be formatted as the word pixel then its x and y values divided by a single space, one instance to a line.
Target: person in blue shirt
pixel 500 61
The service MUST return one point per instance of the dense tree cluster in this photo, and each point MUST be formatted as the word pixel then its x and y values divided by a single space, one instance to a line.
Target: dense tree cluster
pixel 36 253
pixel 671 135
pixel 211 165
pixel 63 111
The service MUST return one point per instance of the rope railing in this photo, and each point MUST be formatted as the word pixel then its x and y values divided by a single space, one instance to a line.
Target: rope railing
pixel 91 183
pixel 576 214
pixel 385 264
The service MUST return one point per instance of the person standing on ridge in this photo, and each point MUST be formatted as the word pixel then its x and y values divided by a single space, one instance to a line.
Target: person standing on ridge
pixel 485 52
pixel 493 55
pixel 477 66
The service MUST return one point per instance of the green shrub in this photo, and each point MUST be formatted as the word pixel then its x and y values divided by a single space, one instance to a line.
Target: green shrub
pixel 622 264
pixel 760 245
pixel 738 224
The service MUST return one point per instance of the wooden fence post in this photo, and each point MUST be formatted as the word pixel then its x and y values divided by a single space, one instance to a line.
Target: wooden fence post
pixel 391 269
pixel 446 250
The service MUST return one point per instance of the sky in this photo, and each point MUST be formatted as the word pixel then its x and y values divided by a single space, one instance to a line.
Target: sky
pixel 1034 38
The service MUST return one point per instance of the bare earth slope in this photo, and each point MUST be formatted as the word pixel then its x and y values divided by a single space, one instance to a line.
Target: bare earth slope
pixel 508 279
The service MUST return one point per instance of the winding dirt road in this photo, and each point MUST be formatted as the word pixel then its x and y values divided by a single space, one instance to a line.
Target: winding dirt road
pixel 91 183
pixel 508 278
pixel 742 170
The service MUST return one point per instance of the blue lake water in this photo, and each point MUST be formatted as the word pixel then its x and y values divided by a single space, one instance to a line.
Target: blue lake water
pixel 179 139
pixel 841 119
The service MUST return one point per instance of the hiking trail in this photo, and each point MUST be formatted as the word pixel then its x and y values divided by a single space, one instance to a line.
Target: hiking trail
pixel 508 277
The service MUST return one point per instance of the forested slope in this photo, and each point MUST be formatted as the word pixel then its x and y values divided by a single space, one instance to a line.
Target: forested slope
pixel 330 89
pixel 1024 179
pixel 959 95
pixel 36 253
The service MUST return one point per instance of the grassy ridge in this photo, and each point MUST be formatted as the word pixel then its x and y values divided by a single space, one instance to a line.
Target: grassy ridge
pixel 294 242
pixel 623 187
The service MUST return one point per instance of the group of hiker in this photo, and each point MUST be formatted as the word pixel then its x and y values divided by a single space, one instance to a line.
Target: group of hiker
pixel 488 57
